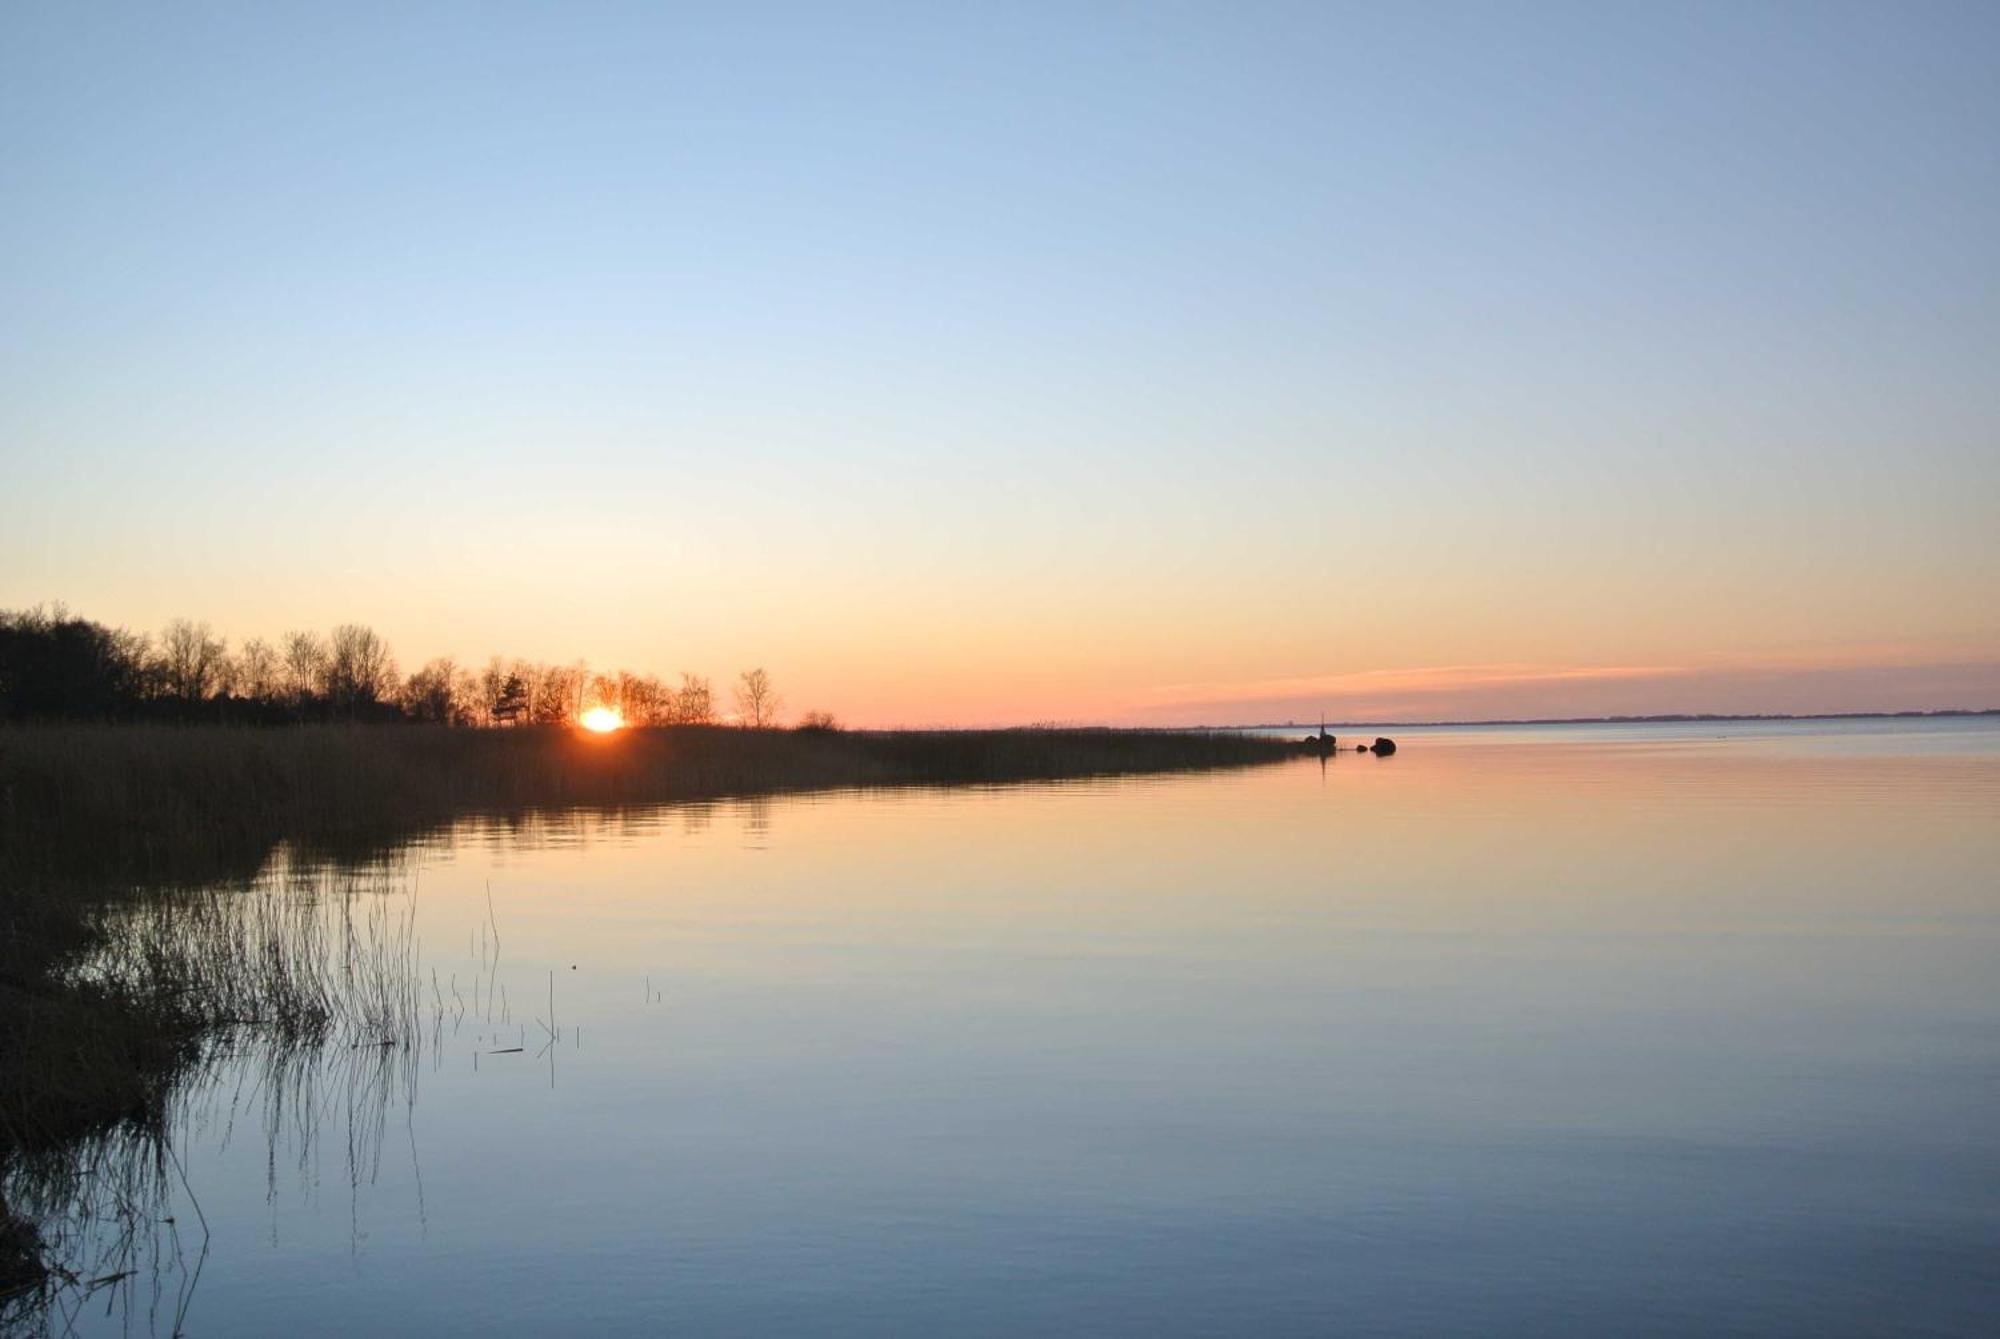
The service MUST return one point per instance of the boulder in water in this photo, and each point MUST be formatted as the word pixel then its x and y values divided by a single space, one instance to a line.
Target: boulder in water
pixel 1384 747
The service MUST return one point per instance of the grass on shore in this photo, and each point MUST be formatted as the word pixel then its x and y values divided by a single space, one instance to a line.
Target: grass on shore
pixel 189 804
pixel 305 971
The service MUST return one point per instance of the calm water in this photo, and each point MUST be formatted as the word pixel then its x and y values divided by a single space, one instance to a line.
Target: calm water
pixel 1519 1031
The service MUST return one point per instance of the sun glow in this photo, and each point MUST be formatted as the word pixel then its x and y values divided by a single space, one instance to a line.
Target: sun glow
pixel 602 720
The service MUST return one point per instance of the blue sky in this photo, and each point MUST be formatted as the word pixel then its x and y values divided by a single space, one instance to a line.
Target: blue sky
pixel 972 364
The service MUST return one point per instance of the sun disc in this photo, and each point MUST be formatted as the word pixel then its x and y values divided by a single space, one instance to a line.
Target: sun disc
pixel 601 720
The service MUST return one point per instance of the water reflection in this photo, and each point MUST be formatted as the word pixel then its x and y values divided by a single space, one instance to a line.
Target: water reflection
pixel 1650 1034
pixel 306 981
pixel 108 1235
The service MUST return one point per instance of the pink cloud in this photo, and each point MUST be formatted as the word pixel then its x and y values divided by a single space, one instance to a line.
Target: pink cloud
pixel 1838 682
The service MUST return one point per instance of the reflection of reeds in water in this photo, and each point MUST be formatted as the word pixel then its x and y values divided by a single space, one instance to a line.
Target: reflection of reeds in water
pixel 301 955
pixel 303 987
pixel 99 1216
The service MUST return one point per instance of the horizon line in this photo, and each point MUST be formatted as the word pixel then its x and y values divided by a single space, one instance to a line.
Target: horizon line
pixel 1662 718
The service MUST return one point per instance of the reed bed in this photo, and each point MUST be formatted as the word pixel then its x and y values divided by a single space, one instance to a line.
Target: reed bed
pixel 149 990
pixel 192 803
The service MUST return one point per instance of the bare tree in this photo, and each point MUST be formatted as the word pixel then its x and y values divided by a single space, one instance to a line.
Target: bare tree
pixel 694 701
pixel 257 671
pixel 192 661
pixel 757 702
pixel 605 690
pixel 642 699
pixel 467 706
pixel 304 657
pixel 431 694
pixel 359 670
pixel 557 690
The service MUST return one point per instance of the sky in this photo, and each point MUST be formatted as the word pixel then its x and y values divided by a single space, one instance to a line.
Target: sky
pixel 972 364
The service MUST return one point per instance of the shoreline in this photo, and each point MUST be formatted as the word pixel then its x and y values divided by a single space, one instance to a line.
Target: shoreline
pixel 187 802
pixel 106 826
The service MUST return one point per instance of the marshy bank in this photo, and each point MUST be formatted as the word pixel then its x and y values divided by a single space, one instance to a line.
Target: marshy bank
pixel 165 890
pixel 174 803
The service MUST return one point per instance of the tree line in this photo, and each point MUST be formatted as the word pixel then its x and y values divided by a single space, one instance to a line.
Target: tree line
pixel 56 666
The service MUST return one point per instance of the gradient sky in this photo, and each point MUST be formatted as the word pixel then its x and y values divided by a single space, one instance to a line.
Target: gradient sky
pixel 1080 362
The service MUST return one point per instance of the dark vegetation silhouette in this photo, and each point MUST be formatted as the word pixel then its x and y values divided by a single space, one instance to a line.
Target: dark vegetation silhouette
pixel 55 666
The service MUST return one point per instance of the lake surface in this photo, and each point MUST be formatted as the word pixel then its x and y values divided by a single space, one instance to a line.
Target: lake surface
pixel 1520 1031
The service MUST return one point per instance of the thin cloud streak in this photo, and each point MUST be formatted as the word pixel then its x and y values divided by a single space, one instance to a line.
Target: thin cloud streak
pixel 1837 682
pixel 1428 679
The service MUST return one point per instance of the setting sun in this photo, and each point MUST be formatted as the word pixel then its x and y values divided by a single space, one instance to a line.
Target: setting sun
pixel 602 720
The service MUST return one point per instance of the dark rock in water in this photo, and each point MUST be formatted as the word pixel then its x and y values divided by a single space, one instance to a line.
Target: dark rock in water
pixel 1384 747
pixel 1361 748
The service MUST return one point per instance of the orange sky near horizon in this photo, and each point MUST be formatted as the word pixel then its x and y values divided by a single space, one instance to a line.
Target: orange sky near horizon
pixel 966 666
pixel 1130 364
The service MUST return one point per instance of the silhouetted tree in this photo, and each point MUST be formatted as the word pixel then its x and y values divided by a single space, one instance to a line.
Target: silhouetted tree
pixel 487 689
pixel 432 694
pixel 305 661
pixel 510 700
pixel 757 702
pixel 191 662
pixel 359 669
pixel 641 699
pixel 694 701
pixel 557 691
pixel 601 690
pixel 55 666
pixel 258 673
pixel 818 721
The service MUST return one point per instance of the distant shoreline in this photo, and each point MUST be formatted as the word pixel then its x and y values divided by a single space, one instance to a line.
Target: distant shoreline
pixel 1669 719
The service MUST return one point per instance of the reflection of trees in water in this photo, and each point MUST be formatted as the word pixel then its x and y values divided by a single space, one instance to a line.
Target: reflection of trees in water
pixel 539 829
pixel 756 816
pixel 308 988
